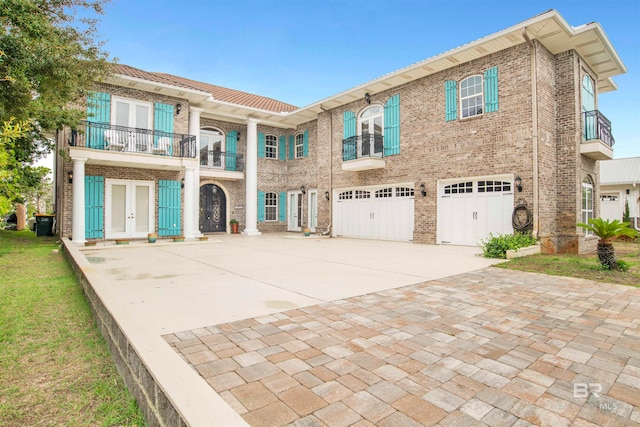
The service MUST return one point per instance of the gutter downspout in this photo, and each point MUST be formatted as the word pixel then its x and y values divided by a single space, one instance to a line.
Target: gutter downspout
pixel 330 169
pixel 534 136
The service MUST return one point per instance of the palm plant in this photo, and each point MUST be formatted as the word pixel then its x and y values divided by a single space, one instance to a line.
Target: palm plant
pixel 607 231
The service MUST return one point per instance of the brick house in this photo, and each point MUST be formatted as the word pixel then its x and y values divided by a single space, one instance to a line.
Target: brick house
pixel 501 133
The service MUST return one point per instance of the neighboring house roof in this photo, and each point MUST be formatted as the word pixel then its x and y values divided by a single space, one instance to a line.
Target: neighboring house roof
pixel 620 171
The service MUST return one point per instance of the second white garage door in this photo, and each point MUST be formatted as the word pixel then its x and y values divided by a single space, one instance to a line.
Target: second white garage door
pixel 469 209
pixel 384 212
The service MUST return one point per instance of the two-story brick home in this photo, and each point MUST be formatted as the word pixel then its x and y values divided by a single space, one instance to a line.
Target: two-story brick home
pixel 502 133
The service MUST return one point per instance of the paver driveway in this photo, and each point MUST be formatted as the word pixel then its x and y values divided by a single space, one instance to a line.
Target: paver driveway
pixel 491 347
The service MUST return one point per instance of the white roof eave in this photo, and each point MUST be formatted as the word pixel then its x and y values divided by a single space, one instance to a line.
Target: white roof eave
pixel 495 42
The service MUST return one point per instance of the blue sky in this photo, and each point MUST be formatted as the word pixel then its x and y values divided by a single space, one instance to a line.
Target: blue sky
pixel 303 51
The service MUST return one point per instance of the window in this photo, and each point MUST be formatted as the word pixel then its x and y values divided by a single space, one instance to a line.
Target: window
pixel 471 96
pixel 493 186
pixel 131 113
pixel 370 131
pixel 587 202
pixel 345 195
pixel 404 192
pixel 299 145
pixel 271 147
pixel 271 207
pixel 459 188
pixel 211 148
pixel 384 193
pixel 362 194
pixel 588 105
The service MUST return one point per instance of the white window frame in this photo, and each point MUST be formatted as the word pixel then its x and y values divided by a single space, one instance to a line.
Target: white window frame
pixel 132 111
pixel 273 146
pixel 299 145
pixel 470 96
pixel 210 132
pixel 270 204
pixel 587 211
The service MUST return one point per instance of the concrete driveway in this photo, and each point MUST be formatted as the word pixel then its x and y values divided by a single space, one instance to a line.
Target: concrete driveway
pixel 173 287
pixel 283 330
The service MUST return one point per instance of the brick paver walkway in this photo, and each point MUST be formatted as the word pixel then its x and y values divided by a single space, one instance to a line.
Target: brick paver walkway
pixel 493 347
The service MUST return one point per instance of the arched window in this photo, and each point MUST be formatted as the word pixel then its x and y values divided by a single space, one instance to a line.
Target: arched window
pixel 211 147
pixel 471 96
pixel 588 108
pixel 587 201
pixel 371 131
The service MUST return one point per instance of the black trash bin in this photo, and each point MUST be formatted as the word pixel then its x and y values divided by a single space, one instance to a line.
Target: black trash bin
pixel 44 225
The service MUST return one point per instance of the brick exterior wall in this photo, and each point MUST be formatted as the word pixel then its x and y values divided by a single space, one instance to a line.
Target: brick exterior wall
pixel 431 148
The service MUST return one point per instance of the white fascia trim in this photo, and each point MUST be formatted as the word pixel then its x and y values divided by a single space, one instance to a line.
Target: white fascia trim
pixel 552 14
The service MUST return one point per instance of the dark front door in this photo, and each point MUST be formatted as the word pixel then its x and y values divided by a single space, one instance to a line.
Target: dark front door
pixel 213 209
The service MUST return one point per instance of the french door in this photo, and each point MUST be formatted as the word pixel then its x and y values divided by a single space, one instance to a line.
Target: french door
pixel 129 208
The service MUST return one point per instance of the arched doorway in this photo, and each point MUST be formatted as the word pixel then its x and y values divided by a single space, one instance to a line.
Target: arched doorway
pixel 213 209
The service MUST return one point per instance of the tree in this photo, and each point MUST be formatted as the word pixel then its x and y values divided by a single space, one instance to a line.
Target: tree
pixel 607 231
pixel 49 58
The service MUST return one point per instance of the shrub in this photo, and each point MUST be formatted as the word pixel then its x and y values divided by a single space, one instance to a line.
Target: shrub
pixel 497 246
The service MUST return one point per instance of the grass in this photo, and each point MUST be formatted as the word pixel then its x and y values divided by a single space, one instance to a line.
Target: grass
pixel 584 266
pixel 55 368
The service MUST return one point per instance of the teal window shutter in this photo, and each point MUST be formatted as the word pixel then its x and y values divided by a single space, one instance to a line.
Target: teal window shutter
pixel 163 124
pixel 93 206
pixel 392 126
pixel 230 147
pixel 282 148
pixel 282 206
pixel 261 145
pixel 98 111
pixel 260 206
pixel 292 146
pixel 349 133
pixel 491 90
pixel 451 99
pixel 168 208
pixel 305 143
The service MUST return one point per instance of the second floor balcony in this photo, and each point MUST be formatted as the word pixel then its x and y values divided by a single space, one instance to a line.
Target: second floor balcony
pixel 221 164
pixel 106 144
pixel 597 139
pixel 363 152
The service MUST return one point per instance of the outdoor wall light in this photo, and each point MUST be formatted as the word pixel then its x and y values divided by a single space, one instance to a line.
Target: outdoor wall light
pixel 178 108
pixel 423 191
pixel 182 183
pixel 304 190
pixel 518 182
pixel 238 137
pixel 326 195
pixel 367 98
pixel 70 177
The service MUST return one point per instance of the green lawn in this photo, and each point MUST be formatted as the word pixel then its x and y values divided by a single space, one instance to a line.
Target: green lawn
pixel 55 368
pixel 584 266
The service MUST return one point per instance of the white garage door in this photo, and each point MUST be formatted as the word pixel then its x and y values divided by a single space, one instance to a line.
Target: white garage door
pixel 471 208
pixel 384 213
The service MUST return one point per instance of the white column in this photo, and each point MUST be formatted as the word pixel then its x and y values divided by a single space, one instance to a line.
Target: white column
pixel 188 202
pixel 194 129
pixel 251 179
pixel 78 232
